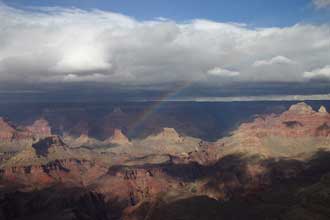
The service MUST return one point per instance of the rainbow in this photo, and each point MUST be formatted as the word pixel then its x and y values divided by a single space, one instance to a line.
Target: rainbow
pixel 156 105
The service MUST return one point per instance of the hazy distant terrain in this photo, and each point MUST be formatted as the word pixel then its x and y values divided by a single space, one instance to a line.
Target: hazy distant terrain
pixel 206 120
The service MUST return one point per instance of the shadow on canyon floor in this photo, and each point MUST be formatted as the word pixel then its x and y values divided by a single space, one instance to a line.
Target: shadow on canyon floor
pixel 293 189
pixel 285 189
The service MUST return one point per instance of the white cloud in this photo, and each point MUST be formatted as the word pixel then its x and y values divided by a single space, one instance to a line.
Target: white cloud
pixel 318 73
pixel 273 61
pixel 58 44
pixel 217 71
pixel 321 3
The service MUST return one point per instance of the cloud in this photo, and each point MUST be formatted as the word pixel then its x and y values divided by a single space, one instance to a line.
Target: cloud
pixel 278 60
pixel 321 3
pixel 217 71
pixel 71 45
pixel 318 73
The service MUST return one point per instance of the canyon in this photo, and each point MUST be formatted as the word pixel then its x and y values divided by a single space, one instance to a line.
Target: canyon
pixel 276 162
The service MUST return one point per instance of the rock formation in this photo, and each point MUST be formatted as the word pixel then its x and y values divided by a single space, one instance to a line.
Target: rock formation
pixel 168 134
pixel 117 119
pixel 40 128
pixel 82 141
pixel 299 130
pixel 13 138
pixel 48 161
pixel 301 108
pixel 322 110
pixel 12 135
pixel 274 160
pixel 41 152
pixel 7 131
pixel 118 138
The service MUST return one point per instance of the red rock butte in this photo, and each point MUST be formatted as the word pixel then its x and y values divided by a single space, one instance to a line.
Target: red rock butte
pixel 6 130
pixel 169 134
pixel 40 128
pixel 119 137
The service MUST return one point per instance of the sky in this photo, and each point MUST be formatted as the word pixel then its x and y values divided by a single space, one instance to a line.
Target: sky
pixel 199 45
pixel 253 12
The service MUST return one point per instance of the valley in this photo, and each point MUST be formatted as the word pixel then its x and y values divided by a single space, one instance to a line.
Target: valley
pixel 277 162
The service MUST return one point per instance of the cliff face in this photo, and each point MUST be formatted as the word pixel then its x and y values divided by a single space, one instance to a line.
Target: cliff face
pixel 47 162
pixel 297 130
pixel 14 138
pixel 299 121
pixel 132 185
pixel 167 134
pixel 70 172
pixel 11 133
pixel 118 138
pixel 40 128
pixel 7 131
